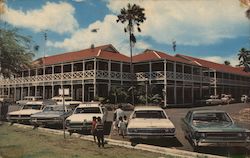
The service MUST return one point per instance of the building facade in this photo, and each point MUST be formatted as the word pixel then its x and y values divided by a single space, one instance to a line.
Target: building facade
pixel 179 79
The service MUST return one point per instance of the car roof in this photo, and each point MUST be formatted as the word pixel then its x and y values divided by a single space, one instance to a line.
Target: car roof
pixel 89 104
pixel 33 97
pixel 60 97
pixel 206 110
pixel 35 102
pixel 138 108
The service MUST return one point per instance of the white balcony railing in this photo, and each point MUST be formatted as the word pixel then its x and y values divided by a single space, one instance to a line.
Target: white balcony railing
pixel 102 74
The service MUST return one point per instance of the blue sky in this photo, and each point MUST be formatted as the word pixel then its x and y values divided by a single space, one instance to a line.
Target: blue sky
pixel 209 29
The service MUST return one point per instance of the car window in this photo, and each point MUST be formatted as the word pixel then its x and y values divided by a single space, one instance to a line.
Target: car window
pixel 32 106
pixel 210 117
pixel 87 110
pixel 149 114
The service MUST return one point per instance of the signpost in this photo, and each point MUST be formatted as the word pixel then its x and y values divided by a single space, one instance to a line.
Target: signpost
pixel 63 92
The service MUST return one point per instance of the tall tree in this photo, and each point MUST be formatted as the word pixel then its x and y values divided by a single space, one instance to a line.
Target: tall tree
pixel 131 16
pixel 244 58
pixel 226 62
pixel 16 52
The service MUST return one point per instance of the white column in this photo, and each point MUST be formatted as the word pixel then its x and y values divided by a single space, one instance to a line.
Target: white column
pixel 52 85
pixel 192 89
pixel 215 83
pixel 150 72
pixel 62 76
pixel 29 83
pixel 22 87
pixel 183 85
pixel 43 82
pixel 109 71
pixel 36 84
pixel 165 83
pixel 175 98
pixel 71 86
pixel 94 78
pixel 83 70
pixel 121 64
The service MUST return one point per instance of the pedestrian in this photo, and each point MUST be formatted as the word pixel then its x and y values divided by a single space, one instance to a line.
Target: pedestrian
pixel 100 132
pixel 125 120
pixel 117 114
pixel 122 127
pixel 93 130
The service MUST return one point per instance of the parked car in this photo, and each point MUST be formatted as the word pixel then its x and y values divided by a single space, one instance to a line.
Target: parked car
pixel 23 115
pixel 82 117
pixel 28 99
pixel 213 100
pixel 51 115
pixel 213 127
pixel 67 100
pixel 149 122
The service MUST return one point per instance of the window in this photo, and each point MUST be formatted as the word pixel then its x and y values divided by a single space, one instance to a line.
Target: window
pixel 154 114
pixel 208 118
pixel 32 106
pixel 88 110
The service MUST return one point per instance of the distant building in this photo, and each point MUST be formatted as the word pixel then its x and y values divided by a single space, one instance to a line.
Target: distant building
pixel 180 79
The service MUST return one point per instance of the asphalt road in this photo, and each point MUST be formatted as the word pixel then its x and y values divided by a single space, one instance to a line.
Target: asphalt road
pixel 180 142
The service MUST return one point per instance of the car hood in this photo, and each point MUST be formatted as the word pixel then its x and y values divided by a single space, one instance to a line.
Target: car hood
pixel 218 127
pixel 150 123
pixel 83 117
pixel 24 112
pixel 48 114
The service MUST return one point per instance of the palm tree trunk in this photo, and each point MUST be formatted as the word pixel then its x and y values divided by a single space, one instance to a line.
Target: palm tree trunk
pixel 131 63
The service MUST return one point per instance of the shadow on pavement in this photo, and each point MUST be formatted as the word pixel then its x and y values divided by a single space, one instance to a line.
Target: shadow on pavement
pixel 226 151
pixel 163 142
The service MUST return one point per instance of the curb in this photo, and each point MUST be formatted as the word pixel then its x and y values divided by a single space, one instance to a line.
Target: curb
pixel 126 144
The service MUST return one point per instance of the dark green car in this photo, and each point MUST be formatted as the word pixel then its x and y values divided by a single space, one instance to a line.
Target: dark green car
pixel 213 127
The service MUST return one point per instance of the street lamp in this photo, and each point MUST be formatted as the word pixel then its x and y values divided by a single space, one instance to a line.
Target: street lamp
pixel 146 83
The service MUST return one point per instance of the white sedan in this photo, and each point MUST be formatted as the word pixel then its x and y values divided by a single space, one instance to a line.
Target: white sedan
pixel 149 122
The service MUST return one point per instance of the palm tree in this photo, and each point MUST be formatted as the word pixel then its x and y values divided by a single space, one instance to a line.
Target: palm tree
pixel 244 58
pixel 226 62
pixel 133 15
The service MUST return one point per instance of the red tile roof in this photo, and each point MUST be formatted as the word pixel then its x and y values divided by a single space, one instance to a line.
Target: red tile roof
pixel 149 55
pixel 216 66
pixel 103 52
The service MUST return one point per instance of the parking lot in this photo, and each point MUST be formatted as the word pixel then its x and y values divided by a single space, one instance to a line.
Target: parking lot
pixel 176 114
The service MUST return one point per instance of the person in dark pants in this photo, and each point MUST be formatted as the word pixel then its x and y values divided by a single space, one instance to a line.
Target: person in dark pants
pixel 100 132
pixel 93 130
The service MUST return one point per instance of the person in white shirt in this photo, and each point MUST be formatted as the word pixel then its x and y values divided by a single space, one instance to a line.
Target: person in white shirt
pixel 117 114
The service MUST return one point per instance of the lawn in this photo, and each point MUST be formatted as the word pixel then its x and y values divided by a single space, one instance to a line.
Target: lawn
pixel 28 143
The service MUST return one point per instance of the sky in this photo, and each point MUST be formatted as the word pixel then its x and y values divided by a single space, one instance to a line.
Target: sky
pixel 214 30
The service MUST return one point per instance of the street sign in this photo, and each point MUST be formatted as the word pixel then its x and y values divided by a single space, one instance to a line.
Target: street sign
pixel 66 91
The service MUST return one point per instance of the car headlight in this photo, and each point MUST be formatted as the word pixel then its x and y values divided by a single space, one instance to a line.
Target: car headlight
pixel 203 135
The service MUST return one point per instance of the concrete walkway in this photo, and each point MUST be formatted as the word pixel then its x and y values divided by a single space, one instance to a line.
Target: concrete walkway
pixel 127 144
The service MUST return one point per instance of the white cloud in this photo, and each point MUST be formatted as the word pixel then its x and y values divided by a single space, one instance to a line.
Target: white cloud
pixel 233 59
pixel 109 32
pixel 57 17
pixel 78 0
pixel 190 22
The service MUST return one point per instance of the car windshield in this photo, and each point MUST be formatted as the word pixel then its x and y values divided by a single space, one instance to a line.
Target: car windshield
pixel 53 108
pixel 153 114
pixel 211 117
pixel 88 110
pixel 32 106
